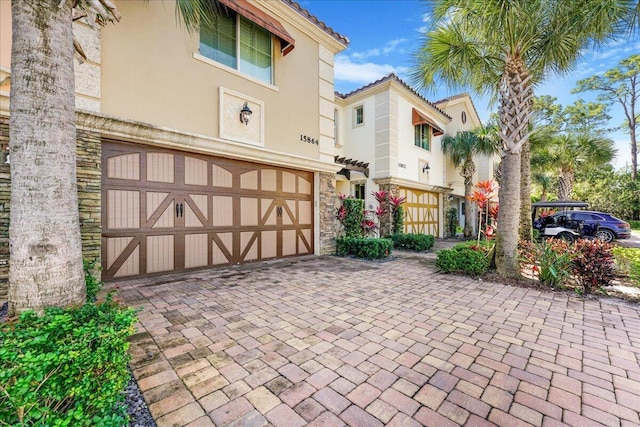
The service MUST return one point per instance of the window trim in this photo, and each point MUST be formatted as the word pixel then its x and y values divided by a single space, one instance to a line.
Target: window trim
pixel 355 115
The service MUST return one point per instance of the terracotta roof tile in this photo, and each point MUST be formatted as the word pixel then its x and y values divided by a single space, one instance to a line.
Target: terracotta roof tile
pixel 324 27
pixel 398 80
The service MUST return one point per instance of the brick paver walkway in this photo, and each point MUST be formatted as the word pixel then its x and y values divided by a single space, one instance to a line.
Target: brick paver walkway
pixel 330 341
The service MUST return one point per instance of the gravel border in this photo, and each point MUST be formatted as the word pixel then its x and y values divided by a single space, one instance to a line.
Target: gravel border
pixel 139 415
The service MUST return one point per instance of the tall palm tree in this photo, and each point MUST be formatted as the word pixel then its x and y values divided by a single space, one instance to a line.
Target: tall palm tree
pixel 566 153
pixel 505 48
pixel 462 148
pixel 44 233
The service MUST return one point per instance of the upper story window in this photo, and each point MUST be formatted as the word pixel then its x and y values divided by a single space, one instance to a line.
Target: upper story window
pixel 239 44
pixel 423 136
pixel 358 115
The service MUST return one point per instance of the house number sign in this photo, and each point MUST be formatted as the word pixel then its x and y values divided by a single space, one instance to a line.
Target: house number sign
pixel 305 138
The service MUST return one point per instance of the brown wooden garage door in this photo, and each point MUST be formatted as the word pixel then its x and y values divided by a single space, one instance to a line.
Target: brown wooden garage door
pixel 421 211
pixel 167 211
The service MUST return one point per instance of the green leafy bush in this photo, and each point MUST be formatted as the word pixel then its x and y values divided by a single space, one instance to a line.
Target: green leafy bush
pixel 353 217
pixel 93 284
pixel 550 260
pixel 364 248
pixel 67 367
pixel 468 258
pixel 452 222
pixel 635 225
pixel 628 261
pixel 412 242
pixel 592 264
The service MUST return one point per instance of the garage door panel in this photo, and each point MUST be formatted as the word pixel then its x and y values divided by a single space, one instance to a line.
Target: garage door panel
pixel 249 180
pixel 221 177
pixel 166 211
pixel 222 249
pixel 195 171
pixel 248 211
pixel 125 166
pixel 160 167
pixel 160 253
pixel 249 246
pixel 123 207
pixel 196 250
pixel 222 215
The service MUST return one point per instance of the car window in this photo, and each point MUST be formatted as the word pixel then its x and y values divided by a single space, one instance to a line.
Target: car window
pixel 597 218
pixel 581 216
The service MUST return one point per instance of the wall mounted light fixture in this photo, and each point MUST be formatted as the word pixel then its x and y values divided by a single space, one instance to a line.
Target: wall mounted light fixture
pixel 426 168
pixel 245 113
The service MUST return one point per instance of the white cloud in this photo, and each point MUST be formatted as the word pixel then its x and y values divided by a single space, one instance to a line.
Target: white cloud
pixel 389 47
pixel 348 71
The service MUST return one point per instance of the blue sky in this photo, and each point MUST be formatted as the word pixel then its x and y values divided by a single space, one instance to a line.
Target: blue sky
pixel 384 34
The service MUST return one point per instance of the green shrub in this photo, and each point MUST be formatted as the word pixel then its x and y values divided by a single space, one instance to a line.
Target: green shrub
pixel 592 264
pixel 353 217
pixel 635 224
pixel 452 222
pixel 398 220
pixel 67 367
pixel 364 248
pixel 628 260
pixel 412 242
pixel 463 258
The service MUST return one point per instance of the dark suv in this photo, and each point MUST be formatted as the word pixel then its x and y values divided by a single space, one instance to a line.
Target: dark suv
pixel 609 227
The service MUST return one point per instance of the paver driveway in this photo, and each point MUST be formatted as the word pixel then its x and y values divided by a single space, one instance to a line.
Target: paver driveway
pixel 330 341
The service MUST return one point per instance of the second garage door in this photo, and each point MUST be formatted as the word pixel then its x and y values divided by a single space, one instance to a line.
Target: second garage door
pixel 421 211
pixel 167 211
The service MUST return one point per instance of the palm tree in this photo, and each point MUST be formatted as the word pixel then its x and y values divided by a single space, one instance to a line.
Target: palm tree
pixel 566 153
pixel 505 48
pixel 44 232
pixel 462 148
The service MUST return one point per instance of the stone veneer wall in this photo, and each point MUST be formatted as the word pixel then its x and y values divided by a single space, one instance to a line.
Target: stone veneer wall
pixel 89 153
pixel 327 213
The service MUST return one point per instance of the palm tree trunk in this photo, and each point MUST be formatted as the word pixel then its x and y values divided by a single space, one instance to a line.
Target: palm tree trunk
pixel 526 225
pixel 468 170
pixel 565 185
pixel 515 107
pixel 44 233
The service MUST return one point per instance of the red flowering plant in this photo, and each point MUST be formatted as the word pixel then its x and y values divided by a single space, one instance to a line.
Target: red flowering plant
pixel 482 196
pixel 397 213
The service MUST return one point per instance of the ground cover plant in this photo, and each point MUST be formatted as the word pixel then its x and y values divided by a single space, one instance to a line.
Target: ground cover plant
pixel 628 262
pixel 67 367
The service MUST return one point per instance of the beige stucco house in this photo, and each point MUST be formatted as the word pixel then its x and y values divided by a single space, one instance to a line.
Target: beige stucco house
pixel 198 149
pixel 388 137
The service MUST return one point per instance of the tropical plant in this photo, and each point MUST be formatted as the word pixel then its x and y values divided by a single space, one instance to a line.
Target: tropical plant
pixel 462 148
pixel 566 153
pixel 44 232
pixel 397 214
pixel 592 264
pixel 549 260
pixel 506 48
pixel 483 196
pixel 464 258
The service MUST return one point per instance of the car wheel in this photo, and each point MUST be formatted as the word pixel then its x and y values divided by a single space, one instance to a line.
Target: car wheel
pixel 605 235
pixel 566 236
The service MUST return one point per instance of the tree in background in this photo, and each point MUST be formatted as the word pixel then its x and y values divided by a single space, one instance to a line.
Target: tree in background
pixel 608 190
pixel 505 49
pixel 462 148
pixel 44 231
pixel 620 85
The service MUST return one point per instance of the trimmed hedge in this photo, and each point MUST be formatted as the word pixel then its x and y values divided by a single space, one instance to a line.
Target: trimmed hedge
pixel 67 367
pixel 367 248
pixel 412 242
pixel 463 258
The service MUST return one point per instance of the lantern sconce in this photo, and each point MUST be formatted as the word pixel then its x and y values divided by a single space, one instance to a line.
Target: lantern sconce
pixel 245 113
pixel 426 168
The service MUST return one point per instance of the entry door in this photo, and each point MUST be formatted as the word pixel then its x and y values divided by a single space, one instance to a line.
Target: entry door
pixel 168 211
